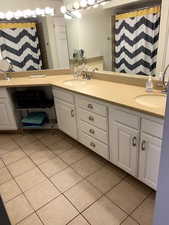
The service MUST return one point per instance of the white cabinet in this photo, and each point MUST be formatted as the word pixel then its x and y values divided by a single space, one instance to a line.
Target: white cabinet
pixel 7 117
pixel 65 111
pixel 66 118
pixel 135 143
pixel 150 150
pixel 131 140
pixel 124 143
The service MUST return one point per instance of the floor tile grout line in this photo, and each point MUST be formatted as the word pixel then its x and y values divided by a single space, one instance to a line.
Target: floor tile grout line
pixel 104 194
pixel 76 217
pixel 51 199
pixel 129 214
pixel 147 197
pixel 69 189
pixel 22 193
pixel 127 218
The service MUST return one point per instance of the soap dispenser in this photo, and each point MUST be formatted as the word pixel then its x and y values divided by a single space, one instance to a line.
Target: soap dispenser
pixel 149 84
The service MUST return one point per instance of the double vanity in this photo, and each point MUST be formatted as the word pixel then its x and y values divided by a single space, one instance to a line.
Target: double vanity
pixel 120 122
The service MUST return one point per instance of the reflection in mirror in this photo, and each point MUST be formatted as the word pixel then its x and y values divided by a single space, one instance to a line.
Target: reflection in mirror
pixel 35 43
pixel 5 67
pixel 123 39
pixel 20 45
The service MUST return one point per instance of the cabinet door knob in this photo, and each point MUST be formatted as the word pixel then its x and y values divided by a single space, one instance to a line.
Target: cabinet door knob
pixel 92 131
pixel 134 141
pixel 92 145
pixel 72 113
pixel 91 118
pixel 90 106
pixel 143 145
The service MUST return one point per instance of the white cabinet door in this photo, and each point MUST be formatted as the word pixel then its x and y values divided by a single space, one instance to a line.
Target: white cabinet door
pixel 66 118
pixel 124 147
pixel 150 151
pixel 7 118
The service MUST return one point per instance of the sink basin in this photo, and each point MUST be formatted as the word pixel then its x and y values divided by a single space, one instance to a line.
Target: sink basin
pixel 151 100
pixel 74 83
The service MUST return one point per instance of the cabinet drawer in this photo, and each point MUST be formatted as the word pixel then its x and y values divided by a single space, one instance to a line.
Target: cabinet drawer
pixel 96 120
pixel 96 146
pixel 125 118
pixel 92 106
pixel 3 93
pixel 63 95
pixel 151 127
pixel 93 131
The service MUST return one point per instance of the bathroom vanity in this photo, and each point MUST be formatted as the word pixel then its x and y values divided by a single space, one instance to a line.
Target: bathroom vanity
pixel 129 139
pixel 114 126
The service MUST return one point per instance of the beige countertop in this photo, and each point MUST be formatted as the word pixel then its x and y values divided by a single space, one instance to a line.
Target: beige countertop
pixel 117 93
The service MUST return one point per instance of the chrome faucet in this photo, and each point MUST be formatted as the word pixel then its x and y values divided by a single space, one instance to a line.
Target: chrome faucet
pixel 89 73
pixel 164 82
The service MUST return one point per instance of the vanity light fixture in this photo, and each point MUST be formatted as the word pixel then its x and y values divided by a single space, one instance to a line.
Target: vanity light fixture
pixel 76 5
pixel 74 11
pixel 91 2
pixel 83 3
pixel 77 14
pixel 28 13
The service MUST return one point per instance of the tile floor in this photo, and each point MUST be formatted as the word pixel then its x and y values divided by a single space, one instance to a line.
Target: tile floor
pixel 46 178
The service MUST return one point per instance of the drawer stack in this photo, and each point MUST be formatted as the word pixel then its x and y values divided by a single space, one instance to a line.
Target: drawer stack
pixel 93 125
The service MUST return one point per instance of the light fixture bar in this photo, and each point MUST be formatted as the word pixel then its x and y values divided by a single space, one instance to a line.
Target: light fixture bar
pixel 82 5
pixel 28 13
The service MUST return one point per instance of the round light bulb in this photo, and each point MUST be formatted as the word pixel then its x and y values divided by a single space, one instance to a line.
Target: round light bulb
pixel 9 15
pixel 67 17
pixel 91 2
pixel 77 14
pixel 49 11
pixel 83 3
pixel 38 11
pixel 2 15
pixel 103 3
pixel 76 5
pixel 34 14
pixel 18 14
pixel 63 9
pixel 96 6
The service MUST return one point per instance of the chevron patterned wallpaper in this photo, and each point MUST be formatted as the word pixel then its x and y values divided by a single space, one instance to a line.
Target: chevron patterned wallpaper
pixel 136 41
pixel 20 45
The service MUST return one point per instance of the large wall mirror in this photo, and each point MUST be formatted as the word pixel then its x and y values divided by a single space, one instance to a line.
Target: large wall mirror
pixel 121 38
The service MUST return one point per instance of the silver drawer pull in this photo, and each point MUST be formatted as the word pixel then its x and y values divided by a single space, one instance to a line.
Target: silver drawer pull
pixel 90 106
pixel 91 118
pixel 72 113
pixel 143 145
pixel 92 131
pixel 134 141
pixel 92 145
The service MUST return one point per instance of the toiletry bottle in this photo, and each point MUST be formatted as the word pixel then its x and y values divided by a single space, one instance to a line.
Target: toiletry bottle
pixel 149 84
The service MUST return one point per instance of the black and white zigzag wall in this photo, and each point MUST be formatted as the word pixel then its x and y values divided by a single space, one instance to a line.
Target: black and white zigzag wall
pixel 19 43
pixel 136 41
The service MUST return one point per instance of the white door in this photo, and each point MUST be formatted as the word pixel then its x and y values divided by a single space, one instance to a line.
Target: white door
pixel 124 147
pixel 7 119
pixel 150 151
pixel 61 43
pixel 66 118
